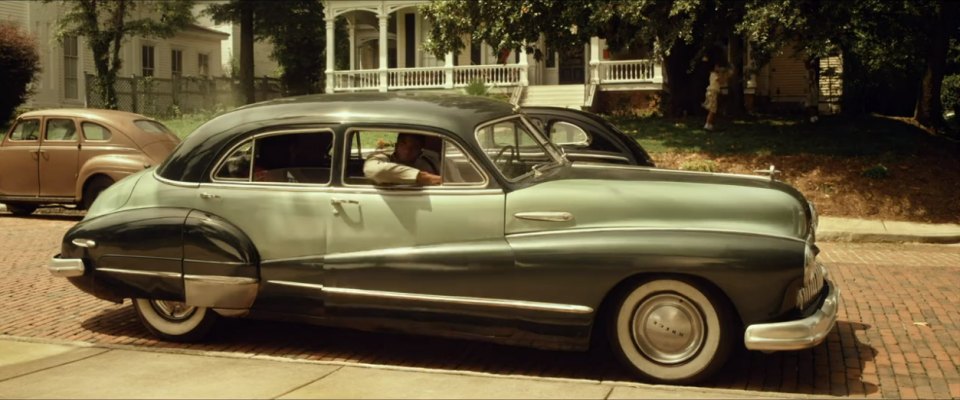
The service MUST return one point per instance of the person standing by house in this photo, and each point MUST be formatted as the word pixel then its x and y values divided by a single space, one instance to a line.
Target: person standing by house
pixel 711 100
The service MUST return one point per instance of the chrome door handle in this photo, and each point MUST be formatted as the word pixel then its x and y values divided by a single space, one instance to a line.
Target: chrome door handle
pixel 548 216
pixel 209 196
pixel 339 202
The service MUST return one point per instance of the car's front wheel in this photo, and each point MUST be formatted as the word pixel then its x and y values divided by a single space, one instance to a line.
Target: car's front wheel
pixel 20 209
pixel 174 320
pixel 672 331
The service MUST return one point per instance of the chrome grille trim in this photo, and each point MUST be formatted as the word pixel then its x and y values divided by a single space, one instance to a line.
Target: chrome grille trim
pixel 812 286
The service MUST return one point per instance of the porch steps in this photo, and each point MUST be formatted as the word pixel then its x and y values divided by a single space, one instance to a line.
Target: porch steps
pixel 569 96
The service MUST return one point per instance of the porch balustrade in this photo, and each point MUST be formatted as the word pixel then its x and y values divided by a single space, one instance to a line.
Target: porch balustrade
pixel 428 77
pixel 356 80
pixel 629 71
pixel 492 75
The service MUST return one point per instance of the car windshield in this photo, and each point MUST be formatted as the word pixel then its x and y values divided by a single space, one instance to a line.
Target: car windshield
pixel 515 150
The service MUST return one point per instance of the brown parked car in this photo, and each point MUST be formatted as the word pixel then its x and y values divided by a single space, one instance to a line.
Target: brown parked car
pixel 68 156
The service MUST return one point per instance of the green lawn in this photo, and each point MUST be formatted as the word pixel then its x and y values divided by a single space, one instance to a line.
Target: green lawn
pixel 764 135
pixel 186 124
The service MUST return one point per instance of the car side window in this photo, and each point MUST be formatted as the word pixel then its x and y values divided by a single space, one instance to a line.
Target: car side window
pixel 28 129
pixel 92 131
pixel 512 148
pixel 61 129
pixel 567 134
pixel 440 156
pixel 300 158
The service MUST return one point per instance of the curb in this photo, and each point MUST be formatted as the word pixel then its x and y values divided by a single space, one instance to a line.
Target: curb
pixel 857 237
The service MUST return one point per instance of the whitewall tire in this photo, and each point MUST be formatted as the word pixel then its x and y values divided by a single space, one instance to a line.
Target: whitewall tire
pixel 174 320
pixel 672 331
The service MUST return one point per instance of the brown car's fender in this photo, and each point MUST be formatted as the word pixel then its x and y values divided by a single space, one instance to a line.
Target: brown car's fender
pixel 113 166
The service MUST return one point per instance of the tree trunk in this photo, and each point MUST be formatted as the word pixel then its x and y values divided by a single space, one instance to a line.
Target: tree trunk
pixel 686 89
pixel 853 97
pixel 929 111
pixel 246 52
pixel 735 97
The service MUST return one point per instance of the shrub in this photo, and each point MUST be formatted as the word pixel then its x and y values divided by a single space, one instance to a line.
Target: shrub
pixel 699 165
pixel 950 94
pixel 19 65
pixel 476 87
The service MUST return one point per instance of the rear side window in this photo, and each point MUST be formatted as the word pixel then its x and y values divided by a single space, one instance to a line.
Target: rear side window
pixel 28 129
pixel 302 158
pixel 92 131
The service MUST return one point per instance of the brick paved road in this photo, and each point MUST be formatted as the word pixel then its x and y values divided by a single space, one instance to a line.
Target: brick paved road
pixel 898 333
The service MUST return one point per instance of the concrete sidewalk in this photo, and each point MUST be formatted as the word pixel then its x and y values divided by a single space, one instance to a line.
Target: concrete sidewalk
pixel 834 229
pixel 44 369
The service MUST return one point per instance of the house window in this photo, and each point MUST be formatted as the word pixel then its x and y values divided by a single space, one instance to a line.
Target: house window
pixel 70 62
pixel 146 59
pixel 203 64
pixel 176 62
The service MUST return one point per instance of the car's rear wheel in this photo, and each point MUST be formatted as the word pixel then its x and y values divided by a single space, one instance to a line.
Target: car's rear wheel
pixel 20 209
pixel 92 190
pixel 672 331
pixel 174 320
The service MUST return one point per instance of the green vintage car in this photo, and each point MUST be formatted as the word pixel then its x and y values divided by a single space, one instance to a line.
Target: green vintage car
pixel 267 212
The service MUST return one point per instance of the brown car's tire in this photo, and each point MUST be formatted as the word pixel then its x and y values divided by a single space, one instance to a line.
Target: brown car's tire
pixel 174 320
pixel 21 210
pixel 92 190
pixel 672 331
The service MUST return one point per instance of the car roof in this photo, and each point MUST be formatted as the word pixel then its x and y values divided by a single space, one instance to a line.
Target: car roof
pixel 455 113
pixel 88 113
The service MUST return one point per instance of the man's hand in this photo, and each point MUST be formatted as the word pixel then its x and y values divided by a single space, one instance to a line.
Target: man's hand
pixel 427 179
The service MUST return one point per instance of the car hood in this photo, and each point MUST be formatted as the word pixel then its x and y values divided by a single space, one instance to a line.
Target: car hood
pixel 604 196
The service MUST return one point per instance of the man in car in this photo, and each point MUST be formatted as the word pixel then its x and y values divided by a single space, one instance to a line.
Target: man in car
pixel 409 164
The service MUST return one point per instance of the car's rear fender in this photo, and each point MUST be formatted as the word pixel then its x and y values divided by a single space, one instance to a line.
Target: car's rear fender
pixel 114 166
pixel 165 253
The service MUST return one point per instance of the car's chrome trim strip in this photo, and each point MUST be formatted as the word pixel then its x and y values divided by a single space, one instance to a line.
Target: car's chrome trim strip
pixel 299 284
pixel 220 279
pixel 88 243
pixel 519 304
pixel 678 171
pixel 549 216
pixel 159 274
pixel 173 182
pixel 596 230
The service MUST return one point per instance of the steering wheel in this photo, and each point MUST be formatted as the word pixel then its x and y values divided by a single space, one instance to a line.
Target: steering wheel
pixel 513 150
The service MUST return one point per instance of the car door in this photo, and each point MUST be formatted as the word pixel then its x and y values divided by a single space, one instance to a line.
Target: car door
pixel 429 251
pixel 275 187
pixel 19 160
pixel 59 156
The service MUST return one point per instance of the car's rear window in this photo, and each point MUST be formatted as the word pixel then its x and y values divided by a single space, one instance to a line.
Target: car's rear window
pixel 151 126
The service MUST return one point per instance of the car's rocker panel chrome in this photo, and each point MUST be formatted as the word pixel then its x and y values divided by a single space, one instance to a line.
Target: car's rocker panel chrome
pixel 798 334
pixel 595 230
pixel 220 291
pixel 65 267
pixel 159 274
pixel 517 304
pixel 549 216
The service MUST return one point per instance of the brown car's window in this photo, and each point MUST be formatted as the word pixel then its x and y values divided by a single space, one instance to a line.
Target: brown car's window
pixel 151 126
pixel 61 129
pixel 28 129
pixel 92 131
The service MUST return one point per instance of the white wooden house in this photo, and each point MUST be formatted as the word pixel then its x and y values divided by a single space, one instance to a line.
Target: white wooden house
pixel 194 51
pixel 387 54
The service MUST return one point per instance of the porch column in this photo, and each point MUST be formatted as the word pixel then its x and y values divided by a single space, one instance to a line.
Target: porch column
pixel 594 60
pixel 353 42
pixel 448 70
pixel 384 17
pixel 330 47
pixel 524 67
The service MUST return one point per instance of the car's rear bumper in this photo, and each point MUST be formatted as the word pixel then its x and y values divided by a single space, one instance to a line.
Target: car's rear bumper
pixel 797 334
pixel 65 267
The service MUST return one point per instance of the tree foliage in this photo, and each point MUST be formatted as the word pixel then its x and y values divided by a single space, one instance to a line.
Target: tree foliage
pixel 19 65
pixel 297 30
pixel 105 24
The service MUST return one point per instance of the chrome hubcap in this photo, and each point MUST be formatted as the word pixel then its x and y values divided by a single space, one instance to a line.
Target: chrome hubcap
pixel 173 310
pixel 668 328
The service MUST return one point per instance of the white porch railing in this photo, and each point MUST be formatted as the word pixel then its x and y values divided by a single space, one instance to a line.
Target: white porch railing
pixel 492 75
pixel 368 79
pixel 416 78
pixel 629 71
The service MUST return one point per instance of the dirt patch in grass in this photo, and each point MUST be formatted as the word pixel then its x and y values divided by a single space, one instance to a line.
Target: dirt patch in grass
pixel 923 187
